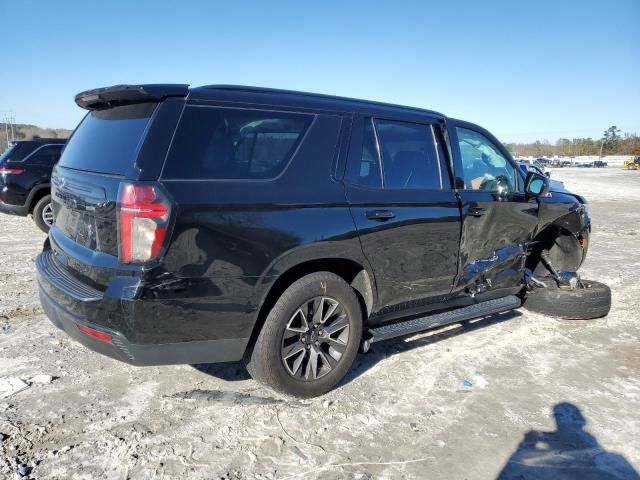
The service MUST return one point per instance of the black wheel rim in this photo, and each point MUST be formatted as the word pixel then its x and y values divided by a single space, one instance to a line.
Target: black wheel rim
pixel 315 338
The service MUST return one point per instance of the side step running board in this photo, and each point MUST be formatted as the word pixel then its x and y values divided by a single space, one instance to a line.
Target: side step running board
pixel 415 325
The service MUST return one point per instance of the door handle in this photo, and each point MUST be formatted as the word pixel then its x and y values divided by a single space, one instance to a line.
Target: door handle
pixel 380 215
pixel 476 211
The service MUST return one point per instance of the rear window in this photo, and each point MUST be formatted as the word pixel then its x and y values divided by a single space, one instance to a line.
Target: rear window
pixel 46 155
pixel 17 152
pixel 107 141
pixel 226 143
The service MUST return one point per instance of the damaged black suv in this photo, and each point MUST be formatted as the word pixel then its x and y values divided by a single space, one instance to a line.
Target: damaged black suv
pixel 290 229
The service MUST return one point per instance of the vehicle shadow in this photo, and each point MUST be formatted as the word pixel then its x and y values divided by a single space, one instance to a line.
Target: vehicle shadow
pixel 387 348
pixel 569 452
pixel 236 371
pixel 228 371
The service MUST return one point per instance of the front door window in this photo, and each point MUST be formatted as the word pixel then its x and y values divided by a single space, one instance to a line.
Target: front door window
pixel 483 166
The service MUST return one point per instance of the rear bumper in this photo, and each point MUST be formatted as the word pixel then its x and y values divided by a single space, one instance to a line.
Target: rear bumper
pixel 20 210
pixel 70 304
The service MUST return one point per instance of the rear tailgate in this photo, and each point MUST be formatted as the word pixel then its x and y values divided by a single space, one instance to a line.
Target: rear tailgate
pixel 104 151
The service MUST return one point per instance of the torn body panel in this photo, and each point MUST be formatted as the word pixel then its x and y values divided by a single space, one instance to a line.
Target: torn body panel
pixel 564 232
pixel 493 246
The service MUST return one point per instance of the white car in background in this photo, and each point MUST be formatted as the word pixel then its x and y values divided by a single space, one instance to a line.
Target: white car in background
pixel 535 163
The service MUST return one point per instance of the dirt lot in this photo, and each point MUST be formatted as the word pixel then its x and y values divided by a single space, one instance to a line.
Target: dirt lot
pixel 518 395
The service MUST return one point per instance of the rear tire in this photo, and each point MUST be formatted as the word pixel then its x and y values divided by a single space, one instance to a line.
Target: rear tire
pixel 594 301
pixel 42 214
pixel 292 356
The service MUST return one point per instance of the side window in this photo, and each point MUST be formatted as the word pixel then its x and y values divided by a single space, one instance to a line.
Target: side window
pixel 47 156
pixel 225 143
pixel 483 166
pixel 365 170
pixel 409 156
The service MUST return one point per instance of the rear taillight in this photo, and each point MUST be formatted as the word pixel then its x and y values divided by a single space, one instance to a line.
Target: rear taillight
pixel 143 219
pixel 12 171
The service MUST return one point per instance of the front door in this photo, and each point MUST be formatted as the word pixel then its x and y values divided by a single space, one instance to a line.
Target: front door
pixel 498 220
pixel 408 218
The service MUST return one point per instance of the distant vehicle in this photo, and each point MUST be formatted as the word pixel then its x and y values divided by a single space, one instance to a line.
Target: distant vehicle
pixel 535 163
pixel 600 164
pixel 25 179
pixel 632 164
pixel 554 185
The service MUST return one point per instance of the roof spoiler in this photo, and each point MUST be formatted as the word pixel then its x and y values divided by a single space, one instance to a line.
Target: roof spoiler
pixel 108 97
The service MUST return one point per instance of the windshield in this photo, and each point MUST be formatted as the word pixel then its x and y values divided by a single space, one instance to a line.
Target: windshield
pixel 107 141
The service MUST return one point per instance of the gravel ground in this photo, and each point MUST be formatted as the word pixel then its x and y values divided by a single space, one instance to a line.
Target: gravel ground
pixel 514 396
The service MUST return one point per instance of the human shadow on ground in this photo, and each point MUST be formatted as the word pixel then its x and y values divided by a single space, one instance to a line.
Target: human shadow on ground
pixel 568 453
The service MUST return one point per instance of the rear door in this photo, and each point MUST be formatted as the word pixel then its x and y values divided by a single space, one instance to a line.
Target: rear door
pixel 498 220
pixel 407 215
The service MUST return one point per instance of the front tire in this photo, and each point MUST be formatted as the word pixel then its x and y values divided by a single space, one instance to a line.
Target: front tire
pixel 310 337
pixel 43 214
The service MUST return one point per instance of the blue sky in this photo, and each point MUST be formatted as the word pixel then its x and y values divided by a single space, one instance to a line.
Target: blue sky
pixel 524 70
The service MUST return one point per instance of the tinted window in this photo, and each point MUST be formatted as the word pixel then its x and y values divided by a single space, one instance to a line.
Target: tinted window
pixel 365 169
pixel 107 141
pixel 409 158
pixel 47 155
pixel 17 152
pixel 483 166
pixel 220 143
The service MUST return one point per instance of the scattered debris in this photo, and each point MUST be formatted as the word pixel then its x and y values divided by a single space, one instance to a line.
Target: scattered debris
pixel 42 379
pixel 11 385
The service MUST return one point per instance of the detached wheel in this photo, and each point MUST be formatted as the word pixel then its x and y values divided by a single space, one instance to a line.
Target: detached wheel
pixel 592 301
pixel 43 214
pixel 310 337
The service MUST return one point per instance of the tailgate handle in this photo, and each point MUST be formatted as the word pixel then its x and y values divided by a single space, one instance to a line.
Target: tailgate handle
pixel 380 215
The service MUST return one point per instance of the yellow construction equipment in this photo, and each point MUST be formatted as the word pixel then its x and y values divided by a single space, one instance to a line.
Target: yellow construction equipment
pixel 632 164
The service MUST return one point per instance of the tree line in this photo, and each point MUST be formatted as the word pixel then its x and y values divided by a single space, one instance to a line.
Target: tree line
pixel 611 143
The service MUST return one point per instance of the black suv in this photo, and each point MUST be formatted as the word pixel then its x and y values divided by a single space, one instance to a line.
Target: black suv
pixel 287 229
pixel 25 176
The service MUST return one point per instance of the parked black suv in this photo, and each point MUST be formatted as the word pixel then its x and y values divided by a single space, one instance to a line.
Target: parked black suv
pixel 25 177
pixel 220 223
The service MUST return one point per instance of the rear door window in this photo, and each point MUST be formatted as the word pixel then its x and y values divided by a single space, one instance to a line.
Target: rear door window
pixel 409 157
pixel 366 170
pixel 226 143
pixel 107 141
pixel 398 156
pixel 47 155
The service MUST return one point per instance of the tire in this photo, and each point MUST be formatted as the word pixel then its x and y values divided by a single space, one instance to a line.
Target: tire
pixel 41 210
pixel 593 301
pixel 282 333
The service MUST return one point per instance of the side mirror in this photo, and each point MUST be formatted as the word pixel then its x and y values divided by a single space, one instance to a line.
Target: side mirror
pixel 536 185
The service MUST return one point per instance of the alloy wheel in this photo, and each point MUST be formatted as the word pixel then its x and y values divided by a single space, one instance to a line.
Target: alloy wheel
pixel 47 215
pixel 315 338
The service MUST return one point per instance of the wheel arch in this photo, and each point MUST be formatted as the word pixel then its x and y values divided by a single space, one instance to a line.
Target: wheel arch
pixel 567 249
pixel 36 194
pixel 351 271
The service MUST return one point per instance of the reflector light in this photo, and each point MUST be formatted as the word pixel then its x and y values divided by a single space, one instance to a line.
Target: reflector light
pixel 103 337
